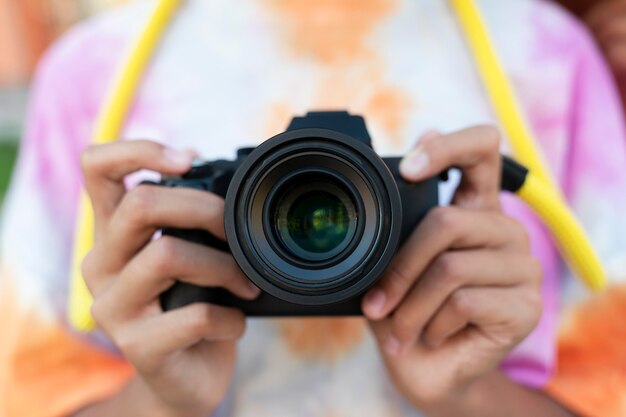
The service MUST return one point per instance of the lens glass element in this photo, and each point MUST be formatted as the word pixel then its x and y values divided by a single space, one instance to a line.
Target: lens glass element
pixel 315 222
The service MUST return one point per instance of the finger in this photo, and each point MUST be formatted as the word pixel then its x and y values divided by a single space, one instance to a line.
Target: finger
pixel 381 330
pixel 105 166
pixel 149 342
pixel 443 228
pixel 148 208
pixel 504 315
pixel 452 271
pixel 604 12
pixel 476 151
pixel 156 267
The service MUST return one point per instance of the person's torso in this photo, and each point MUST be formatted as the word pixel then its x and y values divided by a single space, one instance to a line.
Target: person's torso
pixel 229 75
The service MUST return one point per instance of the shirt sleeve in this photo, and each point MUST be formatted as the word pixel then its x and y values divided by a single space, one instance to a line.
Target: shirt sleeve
pixel 46 369
pixel 590 376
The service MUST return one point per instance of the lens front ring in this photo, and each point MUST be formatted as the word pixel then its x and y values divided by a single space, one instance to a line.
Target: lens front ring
pixel 246 232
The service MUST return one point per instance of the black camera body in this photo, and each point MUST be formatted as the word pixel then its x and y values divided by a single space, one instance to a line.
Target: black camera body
pixel 313 217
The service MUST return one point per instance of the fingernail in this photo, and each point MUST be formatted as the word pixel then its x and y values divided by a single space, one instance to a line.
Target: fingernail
pixel 178 158
pixel 415 164
pixel 375 302
pixel 392 346
pixel 254 290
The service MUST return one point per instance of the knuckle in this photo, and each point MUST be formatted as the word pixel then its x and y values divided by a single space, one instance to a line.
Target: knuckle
pixel 216 207
pixel 89 159
pixel 213 212
pixel 163 254
pixel 201 318
pixel 96 312
pixel 449 269
pixel 100 313
pixel 461 304
pixel 491 137
pixel 89 268
pixel 128 343
pixel 445 219
pixel 138 204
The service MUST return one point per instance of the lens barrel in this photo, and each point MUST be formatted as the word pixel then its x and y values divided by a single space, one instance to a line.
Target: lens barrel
pixel 313 216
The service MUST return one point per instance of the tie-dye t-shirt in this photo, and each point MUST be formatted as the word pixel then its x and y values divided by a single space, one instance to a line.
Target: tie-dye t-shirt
pixel 230 74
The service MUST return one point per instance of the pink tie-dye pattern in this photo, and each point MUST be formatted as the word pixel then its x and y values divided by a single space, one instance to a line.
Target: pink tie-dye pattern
pixel 531 363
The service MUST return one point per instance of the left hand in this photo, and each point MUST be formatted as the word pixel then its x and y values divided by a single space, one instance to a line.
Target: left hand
pixel 464 290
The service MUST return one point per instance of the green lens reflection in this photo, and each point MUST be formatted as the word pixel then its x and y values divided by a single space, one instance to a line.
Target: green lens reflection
pixel 318 222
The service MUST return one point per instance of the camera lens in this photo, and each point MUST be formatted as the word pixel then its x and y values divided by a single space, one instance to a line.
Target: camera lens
pixel 315 221
pixel 313 216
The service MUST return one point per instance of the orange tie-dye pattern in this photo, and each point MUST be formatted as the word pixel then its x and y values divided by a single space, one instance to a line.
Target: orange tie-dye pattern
pixel 389 107
pixel 309 338
pixel 330 31
pixel 334 34
pixel 46 371
pixel 277 119
pixel 591 371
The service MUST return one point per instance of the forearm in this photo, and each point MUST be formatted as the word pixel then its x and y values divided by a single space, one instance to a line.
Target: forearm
pixel 134 400
pixel 495 395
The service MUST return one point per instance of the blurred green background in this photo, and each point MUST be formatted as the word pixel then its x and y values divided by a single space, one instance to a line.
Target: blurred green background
pixel 8 152
pixel 13 105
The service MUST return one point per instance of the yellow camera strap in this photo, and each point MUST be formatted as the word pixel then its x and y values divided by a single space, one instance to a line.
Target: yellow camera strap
pixel 108 129
pixel 538 190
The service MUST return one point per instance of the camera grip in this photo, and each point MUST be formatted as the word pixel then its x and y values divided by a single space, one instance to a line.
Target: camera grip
pixel 181 293
pixel 417 198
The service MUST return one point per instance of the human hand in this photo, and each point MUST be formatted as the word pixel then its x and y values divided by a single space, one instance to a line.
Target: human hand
pixel 185 357
pixel 464 290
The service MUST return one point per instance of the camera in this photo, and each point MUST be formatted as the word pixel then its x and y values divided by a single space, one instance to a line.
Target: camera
pixel 313 217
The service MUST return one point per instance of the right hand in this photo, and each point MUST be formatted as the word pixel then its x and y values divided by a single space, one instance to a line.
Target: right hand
pixel 185 357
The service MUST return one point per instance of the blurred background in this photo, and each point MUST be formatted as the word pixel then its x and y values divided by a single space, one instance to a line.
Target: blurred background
pixel 27 27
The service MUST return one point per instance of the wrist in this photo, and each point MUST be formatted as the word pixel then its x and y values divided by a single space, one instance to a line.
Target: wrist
pixel 151 404
pixel 137 399
pixel 444 403
pixel 494 395
pixel 450 404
